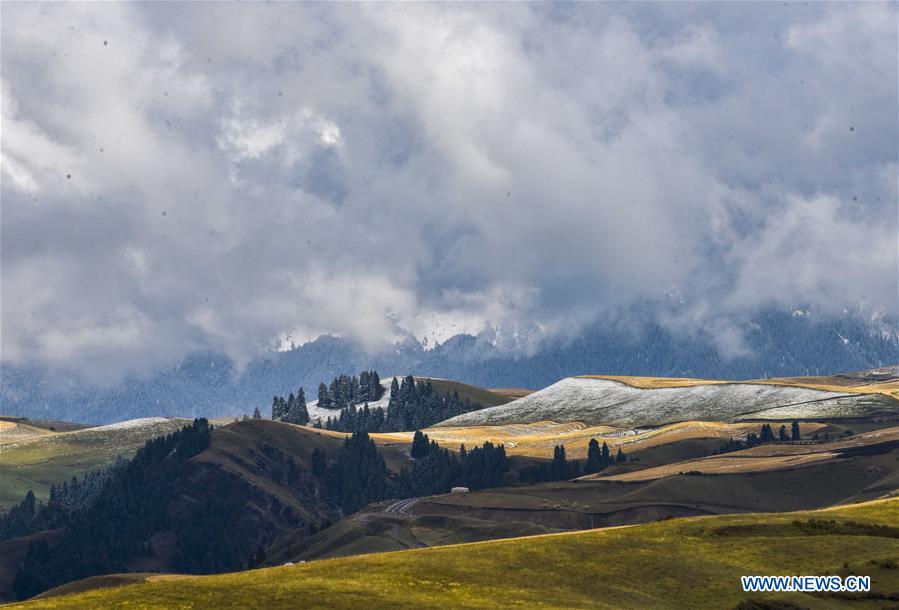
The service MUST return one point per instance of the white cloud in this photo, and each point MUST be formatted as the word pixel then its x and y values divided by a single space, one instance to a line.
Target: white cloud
pixel 245 173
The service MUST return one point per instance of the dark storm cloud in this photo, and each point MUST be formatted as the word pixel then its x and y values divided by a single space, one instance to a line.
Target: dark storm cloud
pixel 225 176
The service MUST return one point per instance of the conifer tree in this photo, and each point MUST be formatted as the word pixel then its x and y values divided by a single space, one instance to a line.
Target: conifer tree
pixel 594 457
pixel 276 409
pixel 794 433
pixel 420 445
pixel 324 397
pixel 559 464
pixel 256 413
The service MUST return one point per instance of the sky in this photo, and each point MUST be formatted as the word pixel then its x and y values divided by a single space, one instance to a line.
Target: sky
pixel 240 177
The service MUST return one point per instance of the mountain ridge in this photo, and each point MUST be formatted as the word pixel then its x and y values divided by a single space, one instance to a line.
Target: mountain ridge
pixel 780 344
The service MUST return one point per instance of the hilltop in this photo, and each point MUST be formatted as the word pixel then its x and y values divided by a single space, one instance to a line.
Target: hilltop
pixel 254 482
pixel 629 402
pixel 39 454
pixel 687 563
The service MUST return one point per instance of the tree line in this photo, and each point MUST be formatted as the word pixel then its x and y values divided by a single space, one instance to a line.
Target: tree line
pixel 414 404
pixel 114 528
pixel 291 410
pixel 31 516
pixel 562 469
pixel 345 390
pixel 358 475
pixel 765 435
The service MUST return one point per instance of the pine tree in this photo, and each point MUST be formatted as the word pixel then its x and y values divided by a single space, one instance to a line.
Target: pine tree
pixel 365 387
pixel 559 464
pixel 374 386
pixel 782 434
pixel 256 413
pixel 620 457
pixel 297 412
pixel 276 409
pixel 606 458
pixel 795 434
pixel 324 397
pixel 594 457
pixel 319 464
pixel 420 445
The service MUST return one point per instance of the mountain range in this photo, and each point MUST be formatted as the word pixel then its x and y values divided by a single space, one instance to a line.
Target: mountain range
pixel 775 342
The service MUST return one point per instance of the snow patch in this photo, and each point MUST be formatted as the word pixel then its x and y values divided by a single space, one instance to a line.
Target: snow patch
pixel 612 403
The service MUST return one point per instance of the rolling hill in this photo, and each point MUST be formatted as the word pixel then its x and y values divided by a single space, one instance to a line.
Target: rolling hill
pixel 251 485
pixel 36 456
pixel 634 404
pixel 683 563
pixel 847 474
pixel 771 457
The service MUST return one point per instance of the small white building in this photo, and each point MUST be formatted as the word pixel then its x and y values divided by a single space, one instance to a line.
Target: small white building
pixel 459 490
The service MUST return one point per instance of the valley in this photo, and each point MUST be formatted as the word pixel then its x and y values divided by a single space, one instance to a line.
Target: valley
pixel 658 565
pixel 275 493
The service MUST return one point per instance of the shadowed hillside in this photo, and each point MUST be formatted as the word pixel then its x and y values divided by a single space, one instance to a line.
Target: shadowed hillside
pixel 689 563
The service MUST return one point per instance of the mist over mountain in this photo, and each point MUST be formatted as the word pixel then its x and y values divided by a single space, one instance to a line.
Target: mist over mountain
pixel 773 342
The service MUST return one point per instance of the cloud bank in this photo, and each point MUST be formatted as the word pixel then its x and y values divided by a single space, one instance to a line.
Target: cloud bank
pixel 238 176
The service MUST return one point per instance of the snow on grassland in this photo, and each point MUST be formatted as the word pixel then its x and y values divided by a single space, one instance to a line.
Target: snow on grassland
pixel 121 437
pixel 602 401
pixel 142 422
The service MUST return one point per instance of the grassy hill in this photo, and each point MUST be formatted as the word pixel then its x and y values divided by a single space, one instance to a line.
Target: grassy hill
pixel 256 474
pixel 643 402
pixel 681 563
pixel 594 502
pixel 39 454
pixel 772 457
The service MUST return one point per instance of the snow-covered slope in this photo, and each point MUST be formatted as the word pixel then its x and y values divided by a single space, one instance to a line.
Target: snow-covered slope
pixel 602 401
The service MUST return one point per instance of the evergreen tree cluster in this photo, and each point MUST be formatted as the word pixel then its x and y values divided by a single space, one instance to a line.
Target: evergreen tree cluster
pixel 562 469
pixel 30 516
pixel 357 476
pixel 765 435
pixel 351 419
pixel 346 391
pixel 438 470
pixel 414 404
pixel 115 527
pixel 291 410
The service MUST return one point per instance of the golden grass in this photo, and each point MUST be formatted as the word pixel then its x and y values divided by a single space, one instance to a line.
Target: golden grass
pixel 759 459
pixel 680 563
pixel 652 383
pixel 512 392
pixel 829 383
pixel 13 432
pixel 540 438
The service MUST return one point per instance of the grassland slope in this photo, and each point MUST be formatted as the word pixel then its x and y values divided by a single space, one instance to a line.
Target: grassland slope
pixel 599 401
pixel 681 563
pixel 36 460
